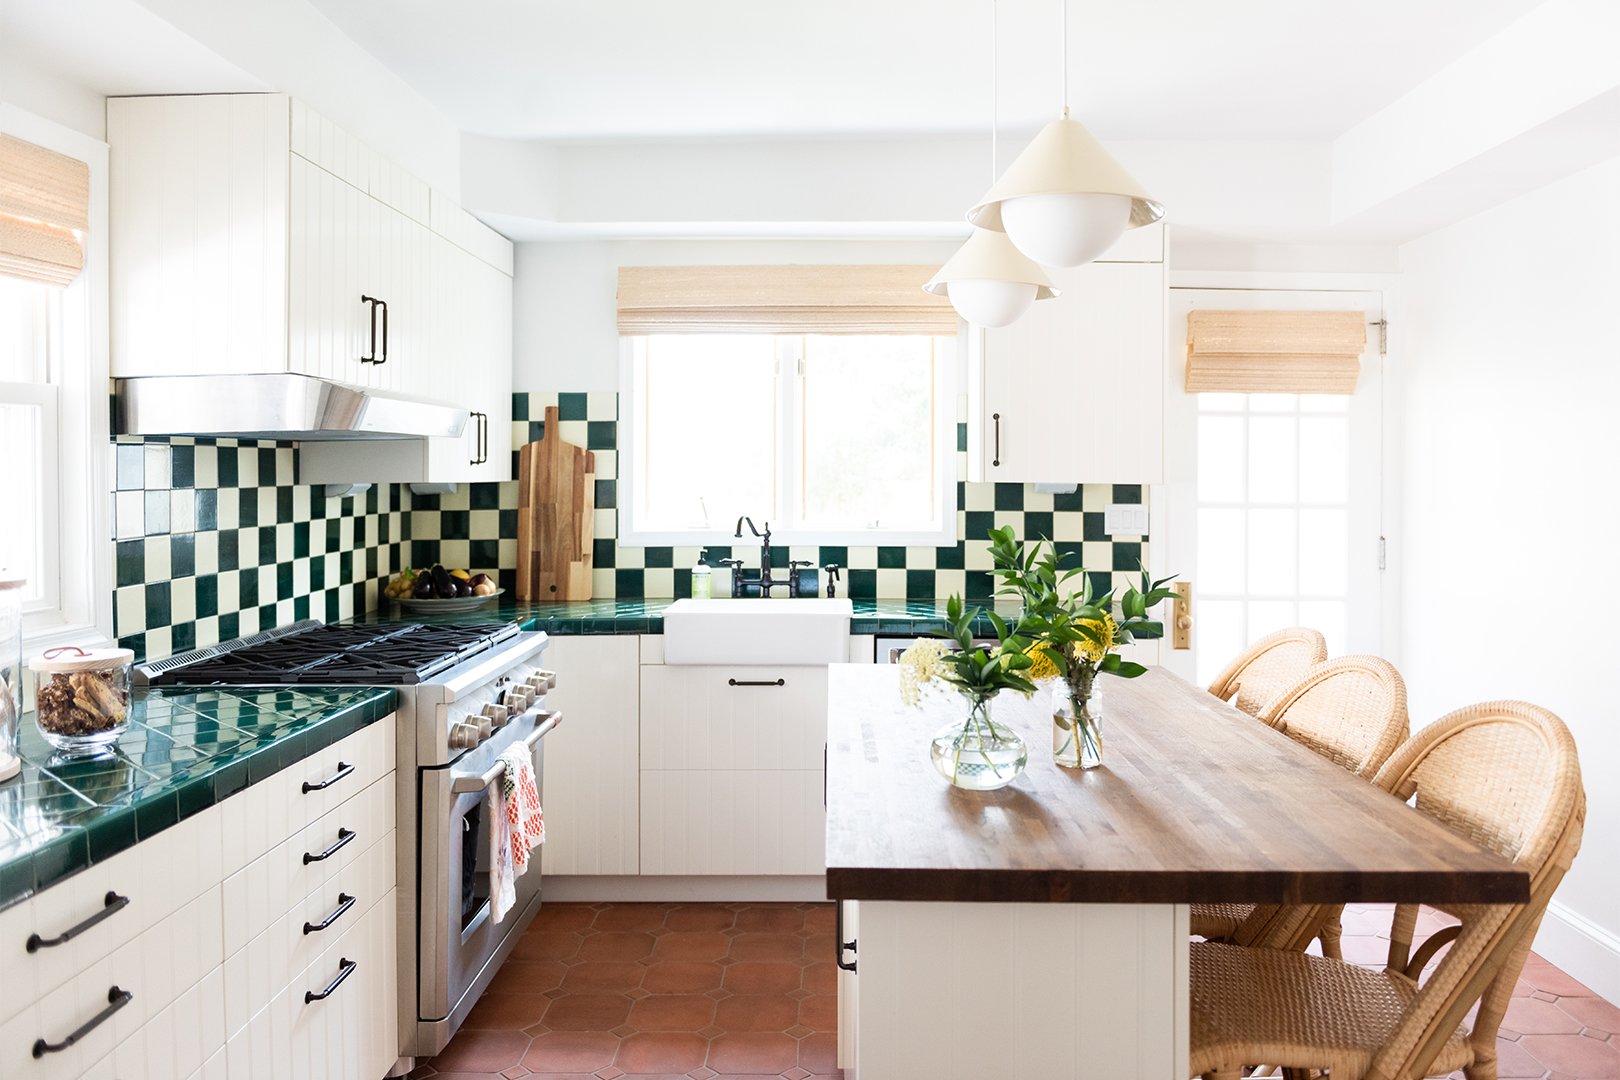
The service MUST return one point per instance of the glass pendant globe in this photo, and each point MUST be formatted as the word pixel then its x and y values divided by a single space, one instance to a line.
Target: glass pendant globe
pixel 1067 229
pixel 992 304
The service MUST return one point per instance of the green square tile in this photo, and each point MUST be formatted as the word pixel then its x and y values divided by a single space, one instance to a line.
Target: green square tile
pixel 61 857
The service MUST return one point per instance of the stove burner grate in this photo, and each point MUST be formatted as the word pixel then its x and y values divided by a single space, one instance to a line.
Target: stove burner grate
pixel 375 655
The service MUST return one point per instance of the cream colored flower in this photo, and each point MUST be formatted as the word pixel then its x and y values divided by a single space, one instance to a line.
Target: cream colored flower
pixel 920 665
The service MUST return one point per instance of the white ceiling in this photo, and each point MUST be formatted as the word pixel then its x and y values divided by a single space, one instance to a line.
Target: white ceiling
pixel 1142 69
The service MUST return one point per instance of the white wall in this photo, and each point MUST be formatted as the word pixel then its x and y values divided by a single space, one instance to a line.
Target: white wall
pixel 1512 498
pixel 565 333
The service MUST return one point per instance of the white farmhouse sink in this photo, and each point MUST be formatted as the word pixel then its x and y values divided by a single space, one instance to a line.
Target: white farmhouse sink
pixel 758 631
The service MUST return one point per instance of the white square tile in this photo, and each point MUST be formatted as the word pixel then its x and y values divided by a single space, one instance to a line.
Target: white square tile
pixel 230 591
pixel 976 555
pixel 1015 518
pixel 659 582
pixel 182 510
pixel 158 473
pixel 301 509
pixel 248 622
pixel 286 474
pixel 602 405
pixel 484 524
pixel 247 466
pixel 607 464
pixel 629 558
pixel 159 643
pixel 572 431
pixel 961 408
pixel 602 584
pixel 509 495
pixel 508 550
pixel 1096 497
pixel 1068 527
pixel 459 499
pixel 920 558
pixel 1097 555
pixel 424 524
pixel 452 553
pixel 207 631
pixel 227 507
pixel 207 552
pixel 129 515
pixel 950 582
pixel 284 612
pixel 130 602
pixel 980 497
pixel 157 558
pixel 267 506
pixel 205 467
pixel 891 584
pixel 267 584
pixel 183 599
pixel 300 577
pixel 606 524
pixel 1036 500
pixel 862 558
pixel 687 557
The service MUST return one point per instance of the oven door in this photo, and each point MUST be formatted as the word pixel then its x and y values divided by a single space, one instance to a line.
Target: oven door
pixel 460 942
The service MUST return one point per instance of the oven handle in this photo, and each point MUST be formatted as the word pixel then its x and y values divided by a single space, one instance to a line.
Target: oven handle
pixel 544 722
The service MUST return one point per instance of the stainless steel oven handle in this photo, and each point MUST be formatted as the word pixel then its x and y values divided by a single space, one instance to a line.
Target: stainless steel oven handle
pixel 543 724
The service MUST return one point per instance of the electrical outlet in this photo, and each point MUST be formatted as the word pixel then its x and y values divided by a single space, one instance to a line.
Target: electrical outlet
pixel 1125 519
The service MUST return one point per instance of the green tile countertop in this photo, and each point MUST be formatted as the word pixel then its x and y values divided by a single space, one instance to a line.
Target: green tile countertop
pixel 646 616
pixel 185 750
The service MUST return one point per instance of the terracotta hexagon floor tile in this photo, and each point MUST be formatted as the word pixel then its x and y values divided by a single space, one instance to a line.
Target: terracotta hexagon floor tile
pixel 820 1012
pixel 624 1031
pixel 482 1051
pixel 819 1053
pixel 726 961
pixel 753 1052
pixel 604 977
pixel 536 1030
pixel 1543 976
pixel 1542 995
pixel 609 1073
pixel 771 920
pixel 719 995
pixel 528 977
pixel 615 945
pixel 588 1012
pixel 506 1012
pixel 682 976
pixel 672 1012
pixel 692 946
pixel 553 917
pixel 1592 1011
pixel 820 917
pixel 765 947
pixel 700 918
pixel 799 995
pixel 733 932
pixel 662 1052
pixel 660 931
pixel 711 1032
pixel 516 1072
pixel 571 1051
pixel 1532 1016
pixel 795 1074
pixel 703 1073
pixel 547 946
pixel 757 1012
pixel 1584 1058
pixel 799 1031
pixel 769 977
pixel 554 994
pixel 821 978
pixel 630 917
pixel 638 992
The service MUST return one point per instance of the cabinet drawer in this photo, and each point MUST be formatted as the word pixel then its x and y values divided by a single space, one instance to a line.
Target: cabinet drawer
pixel 733 822
pixel 699 717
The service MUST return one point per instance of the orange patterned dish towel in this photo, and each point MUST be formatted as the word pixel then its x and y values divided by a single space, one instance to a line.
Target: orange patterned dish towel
pixel 522 807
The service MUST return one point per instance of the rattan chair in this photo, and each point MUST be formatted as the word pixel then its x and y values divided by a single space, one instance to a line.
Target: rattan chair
pixel 1268 667
pixel 1352 711
pixel 1504 775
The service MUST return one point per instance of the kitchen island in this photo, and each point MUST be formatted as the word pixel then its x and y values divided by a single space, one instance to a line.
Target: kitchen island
pixel 1042 930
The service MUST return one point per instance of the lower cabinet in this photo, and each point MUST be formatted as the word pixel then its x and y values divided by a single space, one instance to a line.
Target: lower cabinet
pixel 203 972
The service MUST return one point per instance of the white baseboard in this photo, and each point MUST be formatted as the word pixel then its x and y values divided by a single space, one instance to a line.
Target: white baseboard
pixel 1582 948
pixel 572 888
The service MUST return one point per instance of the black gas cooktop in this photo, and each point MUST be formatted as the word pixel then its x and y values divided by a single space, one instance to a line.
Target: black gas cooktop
pixel 375 655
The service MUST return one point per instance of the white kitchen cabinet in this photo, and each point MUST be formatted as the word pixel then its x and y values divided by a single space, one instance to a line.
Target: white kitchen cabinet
pixel 732 764
pixel 1074 391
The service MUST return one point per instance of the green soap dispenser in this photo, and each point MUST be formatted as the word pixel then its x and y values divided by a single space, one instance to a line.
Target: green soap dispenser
pixel 700 577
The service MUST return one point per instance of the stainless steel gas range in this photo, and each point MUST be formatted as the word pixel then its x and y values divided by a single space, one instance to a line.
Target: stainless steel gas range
pixel 466 693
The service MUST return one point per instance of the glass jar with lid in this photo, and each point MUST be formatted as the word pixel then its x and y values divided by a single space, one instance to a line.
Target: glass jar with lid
pixel 81 697
pixel 11 597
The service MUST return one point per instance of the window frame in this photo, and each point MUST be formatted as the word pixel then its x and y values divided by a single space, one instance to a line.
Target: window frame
pixel 79 372
pixel 786 530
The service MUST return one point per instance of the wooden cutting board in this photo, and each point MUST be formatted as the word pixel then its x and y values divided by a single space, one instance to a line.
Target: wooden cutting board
pixel 556 516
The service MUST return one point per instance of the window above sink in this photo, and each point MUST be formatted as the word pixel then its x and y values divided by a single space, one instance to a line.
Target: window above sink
pixel 835 438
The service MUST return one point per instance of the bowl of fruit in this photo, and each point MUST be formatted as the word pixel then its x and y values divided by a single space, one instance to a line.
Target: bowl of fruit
pixel 441 590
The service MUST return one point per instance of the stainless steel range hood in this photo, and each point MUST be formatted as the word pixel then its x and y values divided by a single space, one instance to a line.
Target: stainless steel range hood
pixel 275 406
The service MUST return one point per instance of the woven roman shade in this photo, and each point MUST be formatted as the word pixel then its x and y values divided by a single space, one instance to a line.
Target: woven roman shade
pixel 44 197
pixel 1275 352
pixel 781 300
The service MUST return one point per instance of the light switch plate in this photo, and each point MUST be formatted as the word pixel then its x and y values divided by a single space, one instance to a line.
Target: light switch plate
pixel 1125 519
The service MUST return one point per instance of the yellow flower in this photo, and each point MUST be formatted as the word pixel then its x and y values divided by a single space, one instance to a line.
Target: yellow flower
pixel 1104 629
pixel 1044 667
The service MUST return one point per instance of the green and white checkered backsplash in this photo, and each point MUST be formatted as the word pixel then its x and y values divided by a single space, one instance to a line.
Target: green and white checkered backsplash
pixel 217 539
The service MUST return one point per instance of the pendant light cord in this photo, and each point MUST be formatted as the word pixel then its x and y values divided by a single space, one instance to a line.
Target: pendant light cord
pixel 1065 4
pixel 993 62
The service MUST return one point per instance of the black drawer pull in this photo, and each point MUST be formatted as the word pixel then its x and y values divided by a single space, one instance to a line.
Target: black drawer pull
pixel 838 938
pixel 345 902
pixel 756 682
pixel 344 836
pixel 111 903
pixel 348 967
pixel 343 770
pixel 116 999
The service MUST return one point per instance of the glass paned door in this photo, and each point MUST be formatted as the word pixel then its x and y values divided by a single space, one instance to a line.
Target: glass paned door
pixel 1273 499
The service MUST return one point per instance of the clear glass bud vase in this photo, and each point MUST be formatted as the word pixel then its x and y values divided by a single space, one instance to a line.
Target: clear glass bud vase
pixel 1076 731
pixel 977 753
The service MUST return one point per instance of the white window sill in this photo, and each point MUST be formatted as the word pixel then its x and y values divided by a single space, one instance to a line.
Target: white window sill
pixel 941 537
pixel 85 635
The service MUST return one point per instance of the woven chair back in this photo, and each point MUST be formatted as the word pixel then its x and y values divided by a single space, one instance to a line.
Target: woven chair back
pixel 1505 775
pixel 1268 667
pixel 1351 711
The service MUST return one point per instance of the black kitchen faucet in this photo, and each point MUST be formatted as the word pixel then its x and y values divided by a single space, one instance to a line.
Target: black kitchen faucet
pixel 740 586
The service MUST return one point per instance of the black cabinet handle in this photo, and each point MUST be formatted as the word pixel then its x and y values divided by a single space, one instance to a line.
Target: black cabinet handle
pixel 482 422
pixel 838 937
pixel 343 770
pixel 756 682
pixel 377 357
pixel 344 837
pixel 111 904
pixel 345 902
pixel 116 999
pixel 347 966
pixel 997 460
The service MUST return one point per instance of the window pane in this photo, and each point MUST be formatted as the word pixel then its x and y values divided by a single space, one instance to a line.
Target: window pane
pixel 1220 458
pixel 20 539
pixel 1272 463
pixel 1221 546
pixel 1222 402
pixel 1272 538
pixel 24 322
pixel 869 453
pixel 1273 402
pixel 1327 616
pixel 1323 558
pixel 707 410
pixel 1220 636
pixel 1324 459
pixel 1269 616
pixel 1324 403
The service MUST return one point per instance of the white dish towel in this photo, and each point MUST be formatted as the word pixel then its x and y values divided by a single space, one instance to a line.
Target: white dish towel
pixel 516 828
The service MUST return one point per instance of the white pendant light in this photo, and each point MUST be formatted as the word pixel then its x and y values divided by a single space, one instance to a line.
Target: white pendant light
pixel 990 282
pixel 1065 200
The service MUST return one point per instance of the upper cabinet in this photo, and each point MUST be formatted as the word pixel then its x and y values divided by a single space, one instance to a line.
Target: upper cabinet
pixel 250 234
pixel 1074 391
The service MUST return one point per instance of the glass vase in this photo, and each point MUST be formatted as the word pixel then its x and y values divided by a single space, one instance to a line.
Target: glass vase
pixel 977 753
pixel 1076 730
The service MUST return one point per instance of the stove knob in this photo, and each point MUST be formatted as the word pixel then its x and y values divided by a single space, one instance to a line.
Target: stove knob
pixel 499 714
pixel 551 679
pixel 486 728
pixel 463 736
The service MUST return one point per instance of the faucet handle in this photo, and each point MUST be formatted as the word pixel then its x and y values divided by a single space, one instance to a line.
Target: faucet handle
pixel 801 562
pixel 735 564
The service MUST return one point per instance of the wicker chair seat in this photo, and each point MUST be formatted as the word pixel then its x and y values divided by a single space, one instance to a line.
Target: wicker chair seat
pixel 1219 922
pixel 1298 1011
